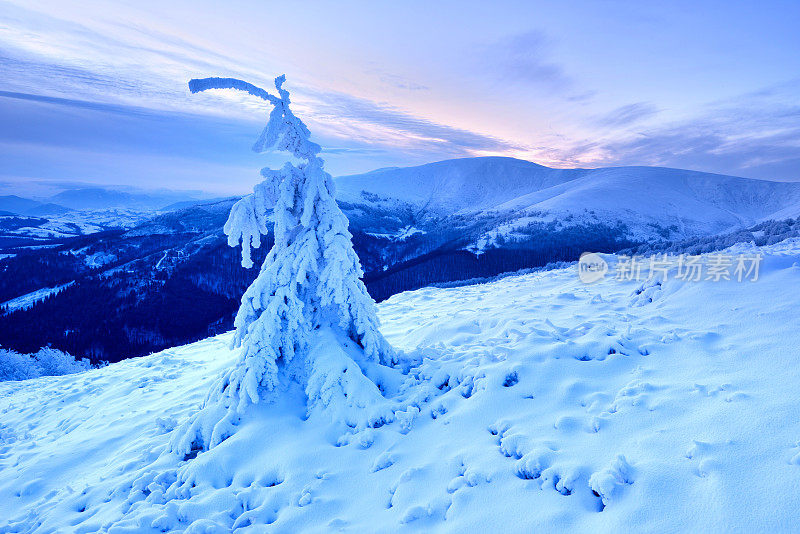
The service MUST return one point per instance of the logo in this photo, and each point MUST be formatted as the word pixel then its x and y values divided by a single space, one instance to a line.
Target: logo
pixel 591 268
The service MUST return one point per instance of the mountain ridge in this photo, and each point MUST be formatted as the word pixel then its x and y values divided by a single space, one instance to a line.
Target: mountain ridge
pixel 469 185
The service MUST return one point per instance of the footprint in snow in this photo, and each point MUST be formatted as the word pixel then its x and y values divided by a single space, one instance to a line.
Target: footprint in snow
pixel 647 292
pixel 704 454
pixel 725 391
pixel 607 484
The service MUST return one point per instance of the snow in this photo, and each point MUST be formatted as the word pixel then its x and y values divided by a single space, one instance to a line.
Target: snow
pixel 29 299
pixel 536 404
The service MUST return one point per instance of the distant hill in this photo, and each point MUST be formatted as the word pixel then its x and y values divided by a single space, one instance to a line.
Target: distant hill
pixel 175 206
pixel 101 198
pixel 14 205
pixel 17 205
pixel 458 184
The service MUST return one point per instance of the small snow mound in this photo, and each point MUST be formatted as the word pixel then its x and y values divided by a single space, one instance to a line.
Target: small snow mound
pixel 607 483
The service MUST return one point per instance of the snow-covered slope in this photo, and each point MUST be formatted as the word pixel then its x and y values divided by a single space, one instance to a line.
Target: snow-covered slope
pixel 29 299
pixel 791 211
pixel 540 405
pixel 694 202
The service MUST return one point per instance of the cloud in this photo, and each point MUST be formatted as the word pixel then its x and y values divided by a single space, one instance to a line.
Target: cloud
pixel 627 115
pixel 396 81
pixel 353 150
pixel 755 135
pixel 44 137
pixel 525 58
pixel 402 83
pixel 78 104
pixel 582 97
pixel 384 124
pixel 110 62
pixel 39 73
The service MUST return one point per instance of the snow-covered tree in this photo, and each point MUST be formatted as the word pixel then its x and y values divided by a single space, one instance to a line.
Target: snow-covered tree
pixel 307 310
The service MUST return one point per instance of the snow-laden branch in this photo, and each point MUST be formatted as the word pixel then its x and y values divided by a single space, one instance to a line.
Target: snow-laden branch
pixel 249 217
pixel 284 131
pixel 203 84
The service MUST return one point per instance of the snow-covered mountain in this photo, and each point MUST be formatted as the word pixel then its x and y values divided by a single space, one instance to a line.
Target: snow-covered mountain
pixel 538 404
pixel 469 184
pixel 647 199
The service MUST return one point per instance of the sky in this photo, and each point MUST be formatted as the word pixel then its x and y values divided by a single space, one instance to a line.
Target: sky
pixel 96 92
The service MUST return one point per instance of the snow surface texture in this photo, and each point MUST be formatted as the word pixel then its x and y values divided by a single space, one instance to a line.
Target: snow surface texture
pixel 539 404
pixel 308 303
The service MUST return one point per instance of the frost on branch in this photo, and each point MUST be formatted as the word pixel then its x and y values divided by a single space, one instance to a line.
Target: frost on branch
pixel 308 310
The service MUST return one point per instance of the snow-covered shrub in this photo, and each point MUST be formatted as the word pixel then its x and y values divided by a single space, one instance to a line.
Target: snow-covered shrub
pixel 55 362
pixel 765 233
pixel 46 362
pixel 16 366
pixel 307 303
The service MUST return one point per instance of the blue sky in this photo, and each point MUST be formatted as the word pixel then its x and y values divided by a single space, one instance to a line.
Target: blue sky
pixel 95 92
